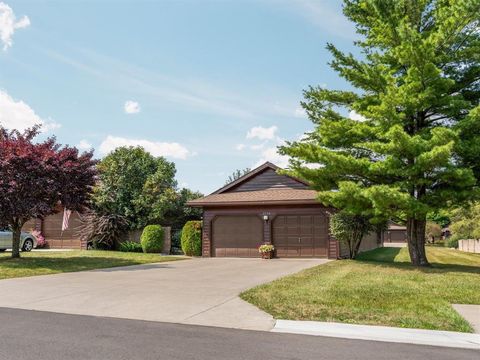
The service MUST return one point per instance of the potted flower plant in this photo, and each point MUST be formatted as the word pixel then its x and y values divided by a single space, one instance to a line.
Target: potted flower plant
pixel 266 250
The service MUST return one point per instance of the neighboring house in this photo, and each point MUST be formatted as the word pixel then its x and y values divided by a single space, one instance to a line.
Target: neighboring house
pixel 265 207
pixel 395 233
pixel 51 229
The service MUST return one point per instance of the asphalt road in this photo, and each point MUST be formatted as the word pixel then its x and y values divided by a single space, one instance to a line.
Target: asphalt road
pixel 26 334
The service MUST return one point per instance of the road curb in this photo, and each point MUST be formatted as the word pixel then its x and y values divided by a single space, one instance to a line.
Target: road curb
pixel 380 333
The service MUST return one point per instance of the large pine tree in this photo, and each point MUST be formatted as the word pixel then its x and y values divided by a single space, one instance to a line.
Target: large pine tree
pixel 412 145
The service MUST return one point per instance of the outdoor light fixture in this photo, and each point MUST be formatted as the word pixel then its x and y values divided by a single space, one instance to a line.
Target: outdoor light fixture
pixel 265 217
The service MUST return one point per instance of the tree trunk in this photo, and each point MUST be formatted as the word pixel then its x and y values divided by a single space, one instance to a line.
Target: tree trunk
pixel 416 241
pixel 350 249
pixel 358 242
pixel 379 237
pixel 16 230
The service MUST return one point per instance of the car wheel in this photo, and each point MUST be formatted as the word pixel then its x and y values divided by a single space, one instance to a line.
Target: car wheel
pixel 27 245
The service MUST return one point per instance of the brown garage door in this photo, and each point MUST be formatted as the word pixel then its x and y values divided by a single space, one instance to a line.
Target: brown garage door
pixel 237 236
pixel 397 236
pixel 58 239
pixel 300 235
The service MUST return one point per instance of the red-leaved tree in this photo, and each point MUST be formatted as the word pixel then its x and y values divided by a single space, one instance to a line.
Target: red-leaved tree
pixel 36 176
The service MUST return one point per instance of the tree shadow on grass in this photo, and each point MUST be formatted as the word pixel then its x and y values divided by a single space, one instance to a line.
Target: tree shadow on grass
pixel 387 257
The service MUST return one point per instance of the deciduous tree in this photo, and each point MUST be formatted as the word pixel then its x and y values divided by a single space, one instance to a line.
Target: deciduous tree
pixel 37 176
pixel 350 229
pixel 135 184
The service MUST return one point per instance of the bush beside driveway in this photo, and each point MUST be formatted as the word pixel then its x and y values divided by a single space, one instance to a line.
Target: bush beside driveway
pixel 44 263
pixel 381 288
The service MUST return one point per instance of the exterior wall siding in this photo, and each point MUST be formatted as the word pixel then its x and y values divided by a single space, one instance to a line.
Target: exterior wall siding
pixel 210 213
pixel 268 180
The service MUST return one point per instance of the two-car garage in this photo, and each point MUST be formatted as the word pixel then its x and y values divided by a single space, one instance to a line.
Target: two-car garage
pixel 265 207
pixel 293 235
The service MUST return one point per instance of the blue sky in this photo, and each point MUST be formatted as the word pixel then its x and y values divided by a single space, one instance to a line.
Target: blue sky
pixel 212 85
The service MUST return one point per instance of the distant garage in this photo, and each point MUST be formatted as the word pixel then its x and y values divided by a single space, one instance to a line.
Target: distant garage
pixel 261 207
pixel 395 233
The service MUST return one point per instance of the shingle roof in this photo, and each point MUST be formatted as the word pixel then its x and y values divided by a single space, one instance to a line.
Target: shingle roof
pixel 273 196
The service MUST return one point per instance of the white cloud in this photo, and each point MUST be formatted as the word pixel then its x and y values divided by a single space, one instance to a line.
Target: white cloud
pixel 173 150
pixel 131 107
pixel 8 25
pixel 16 114
pixel 84 145
pixel 240 147
pixel 262 133
pixel 300 113
pixel 50 125
pixel 271 154
pixel 356 116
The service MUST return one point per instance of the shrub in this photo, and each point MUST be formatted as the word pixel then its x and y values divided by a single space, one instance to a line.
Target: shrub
pixel 192 238
pixel 152 239
pixel 350 230
pixel 452 242
pixel 131 246
pixel 41 241
pixel 102 230
pixel 432 231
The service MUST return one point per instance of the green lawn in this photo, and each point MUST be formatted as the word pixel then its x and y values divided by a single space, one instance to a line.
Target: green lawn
pixel 380 288
pixel 36 263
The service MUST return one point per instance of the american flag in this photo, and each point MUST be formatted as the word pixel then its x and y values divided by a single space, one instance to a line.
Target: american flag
pixel 66 217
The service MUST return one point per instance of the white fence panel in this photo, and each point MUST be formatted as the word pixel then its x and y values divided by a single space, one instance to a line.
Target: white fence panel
pixel 469 245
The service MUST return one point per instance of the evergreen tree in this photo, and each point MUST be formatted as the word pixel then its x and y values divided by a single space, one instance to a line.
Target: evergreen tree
pixel 405 140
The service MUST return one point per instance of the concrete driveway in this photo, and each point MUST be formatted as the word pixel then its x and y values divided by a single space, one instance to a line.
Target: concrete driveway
pixel 197 291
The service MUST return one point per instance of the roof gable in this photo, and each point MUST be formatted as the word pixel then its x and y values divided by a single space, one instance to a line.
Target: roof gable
pixel 264 177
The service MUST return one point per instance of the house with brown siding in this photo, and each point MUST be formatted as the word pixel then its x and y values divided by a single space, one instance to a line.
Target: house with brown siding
pixel 264 206
pixel 51 229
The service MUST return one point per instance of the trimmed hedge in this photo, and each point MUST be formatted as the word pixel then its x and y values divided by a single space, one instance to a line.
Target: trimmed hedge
pixel 192 238
pixel 152 239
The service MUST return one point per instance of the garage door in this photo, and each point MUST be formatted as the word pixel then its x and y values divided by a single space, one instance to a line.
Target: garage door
pixel 398 236
pixel 237 236
pixel 58 239
pixel 300 235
